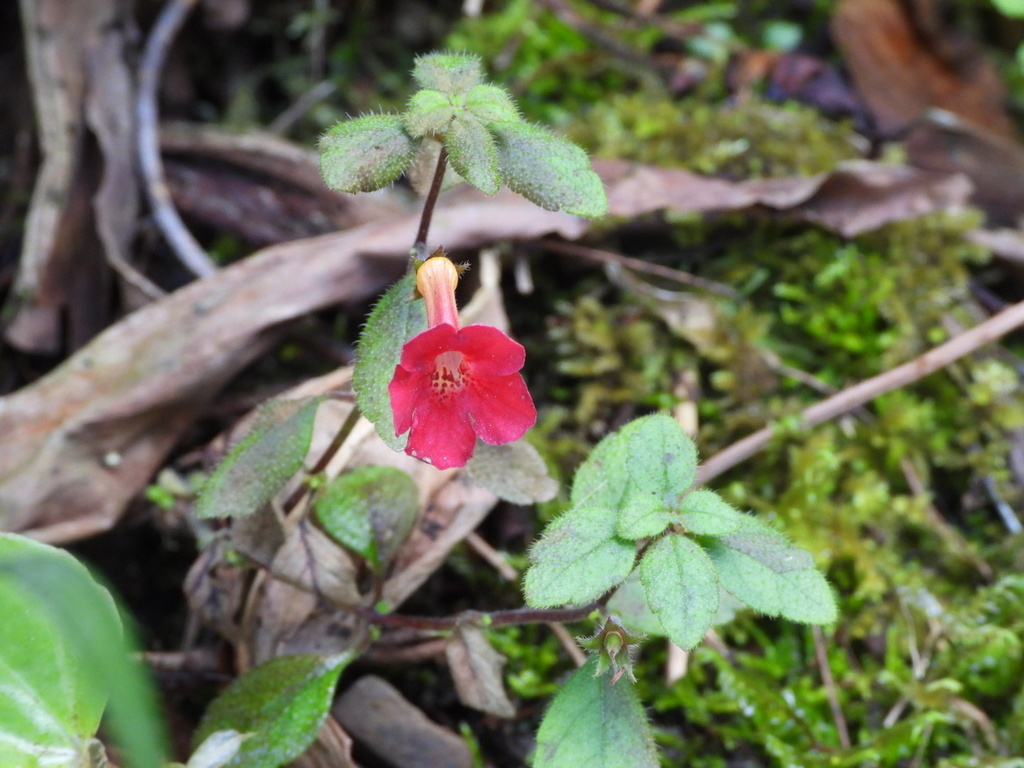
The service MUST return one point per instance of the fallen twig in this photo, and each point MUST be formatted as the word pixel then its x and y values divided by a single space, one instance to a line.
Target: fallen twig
pixel 859 394
pixel 151 166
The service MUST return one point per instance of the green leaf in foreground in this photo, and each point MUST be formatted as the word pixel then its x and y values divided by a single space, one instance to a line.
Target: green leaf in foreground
pixel 602 480
pixel 256 469
pixel 660 458
pixel 449 73
pixel 63 657
pixel 681 587
pixel 578 560
pixel 365 153
pixel 594 723
pixel 395 320
pixel 759 566
pixel 282 704
pixel 472 153
pixel 552 172
pixel 643 515
pixel 704 513
pixel 370 510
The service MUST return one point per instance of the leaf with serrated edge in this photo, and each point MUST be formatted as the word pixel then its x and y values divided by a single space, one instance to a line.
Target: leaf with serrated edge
pixel 472 153
pixel 394 320
pixel 492 104
pixel 682 588
pixel 428 113
pixel 371 510
pixel 594 723
pixel 365 153
pixel 552 172
pixel 602 479
pixel 643 515
pixel 256 469
pixel 477 671
pixel 513 471
pixel 578 559
pixel 629 603
pixel 449 73
pixel 759 566
pixel 281 703
pixel 704 513
pixel 660 458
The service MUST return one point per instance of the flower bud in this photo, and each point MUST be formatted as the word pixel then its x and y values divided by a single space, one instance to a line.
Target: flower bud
pixel 436 279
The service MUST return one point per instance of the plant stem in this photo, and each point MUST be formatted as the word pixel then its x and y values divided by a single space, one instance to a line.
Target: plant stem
pixel 495 619
pixel 420 246
pixel 325 458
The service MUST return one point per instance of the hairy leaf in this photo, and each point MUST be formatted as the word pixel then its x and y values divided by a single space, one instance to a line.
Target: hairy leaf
pixel 594 723
pixel 259 466
pixel 365 153
pixel 450 73
pixel 759 566
pixel 281 703
pixel 492 104
pixel 472 153
pixel 643 515
pixel 682 588
pixel 513 471
pixel 552 172
pixel 578 560
pixel 394 320
pixel 704 513
pixel 660 458
pixel 370 510
pixel 429 113
pixel 602 479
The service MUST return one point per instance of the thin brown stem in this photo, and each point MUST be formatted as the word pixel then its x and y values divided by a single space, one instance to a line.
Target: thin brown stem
pixel 495 619
pixel 325 458
pixel 420 246
pixel 852 397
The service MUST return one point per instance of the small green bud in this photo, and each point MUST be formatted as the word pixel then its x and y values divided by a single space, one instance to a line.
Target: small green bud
pixel 448 72
pixel 608 643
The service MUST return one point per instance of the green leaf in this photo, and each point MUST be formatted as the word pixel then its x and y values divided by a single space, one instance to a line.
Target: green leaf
pixel 512 471
pixel 256 469
pixel 660 458
pixel 449 73
pixel 370 510
pixel 704 513
pixel 281 703
pixel 594 723
pixel 759 566
pixel 1010 7
pixel 682 588
pixel 472 153
pixel 578 559
pixel 365 153
pixel 429 113
pixel 629 603
pixel 63 655
pixel 395 320
pixel 643 515
pixel 602 479
pixel 492 104
pixel 552 172
pixel 217 749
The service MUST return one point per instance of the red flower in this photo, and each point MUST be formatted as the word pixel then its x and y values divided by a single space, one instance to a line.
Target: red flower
pixel 454 385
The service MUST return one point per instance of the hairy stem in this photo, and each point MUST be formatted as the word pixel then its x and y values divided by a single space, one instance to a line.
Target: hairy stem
pixel 420 246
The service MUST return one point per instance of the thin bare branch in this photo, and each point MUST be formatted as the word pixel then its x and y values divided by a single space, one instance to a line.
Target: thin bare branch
pixel 852 397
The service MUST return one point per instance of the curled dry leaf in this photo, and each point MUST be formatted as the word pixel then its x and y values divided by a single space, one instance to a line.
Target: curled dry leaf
pixel 477 671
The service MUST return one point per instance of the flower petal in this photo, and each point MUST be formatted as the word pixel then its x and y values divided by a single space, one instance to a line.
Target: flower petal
pixel 406 390
pixel 489 351
pixel 501 407
pixel 420 352
pixel 441 434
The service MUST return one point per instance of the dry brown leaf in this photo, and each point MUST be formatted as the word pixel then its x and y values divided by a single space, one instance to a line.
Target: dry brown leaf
pixel 904 61
pixel 477 671
pixel 376 715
